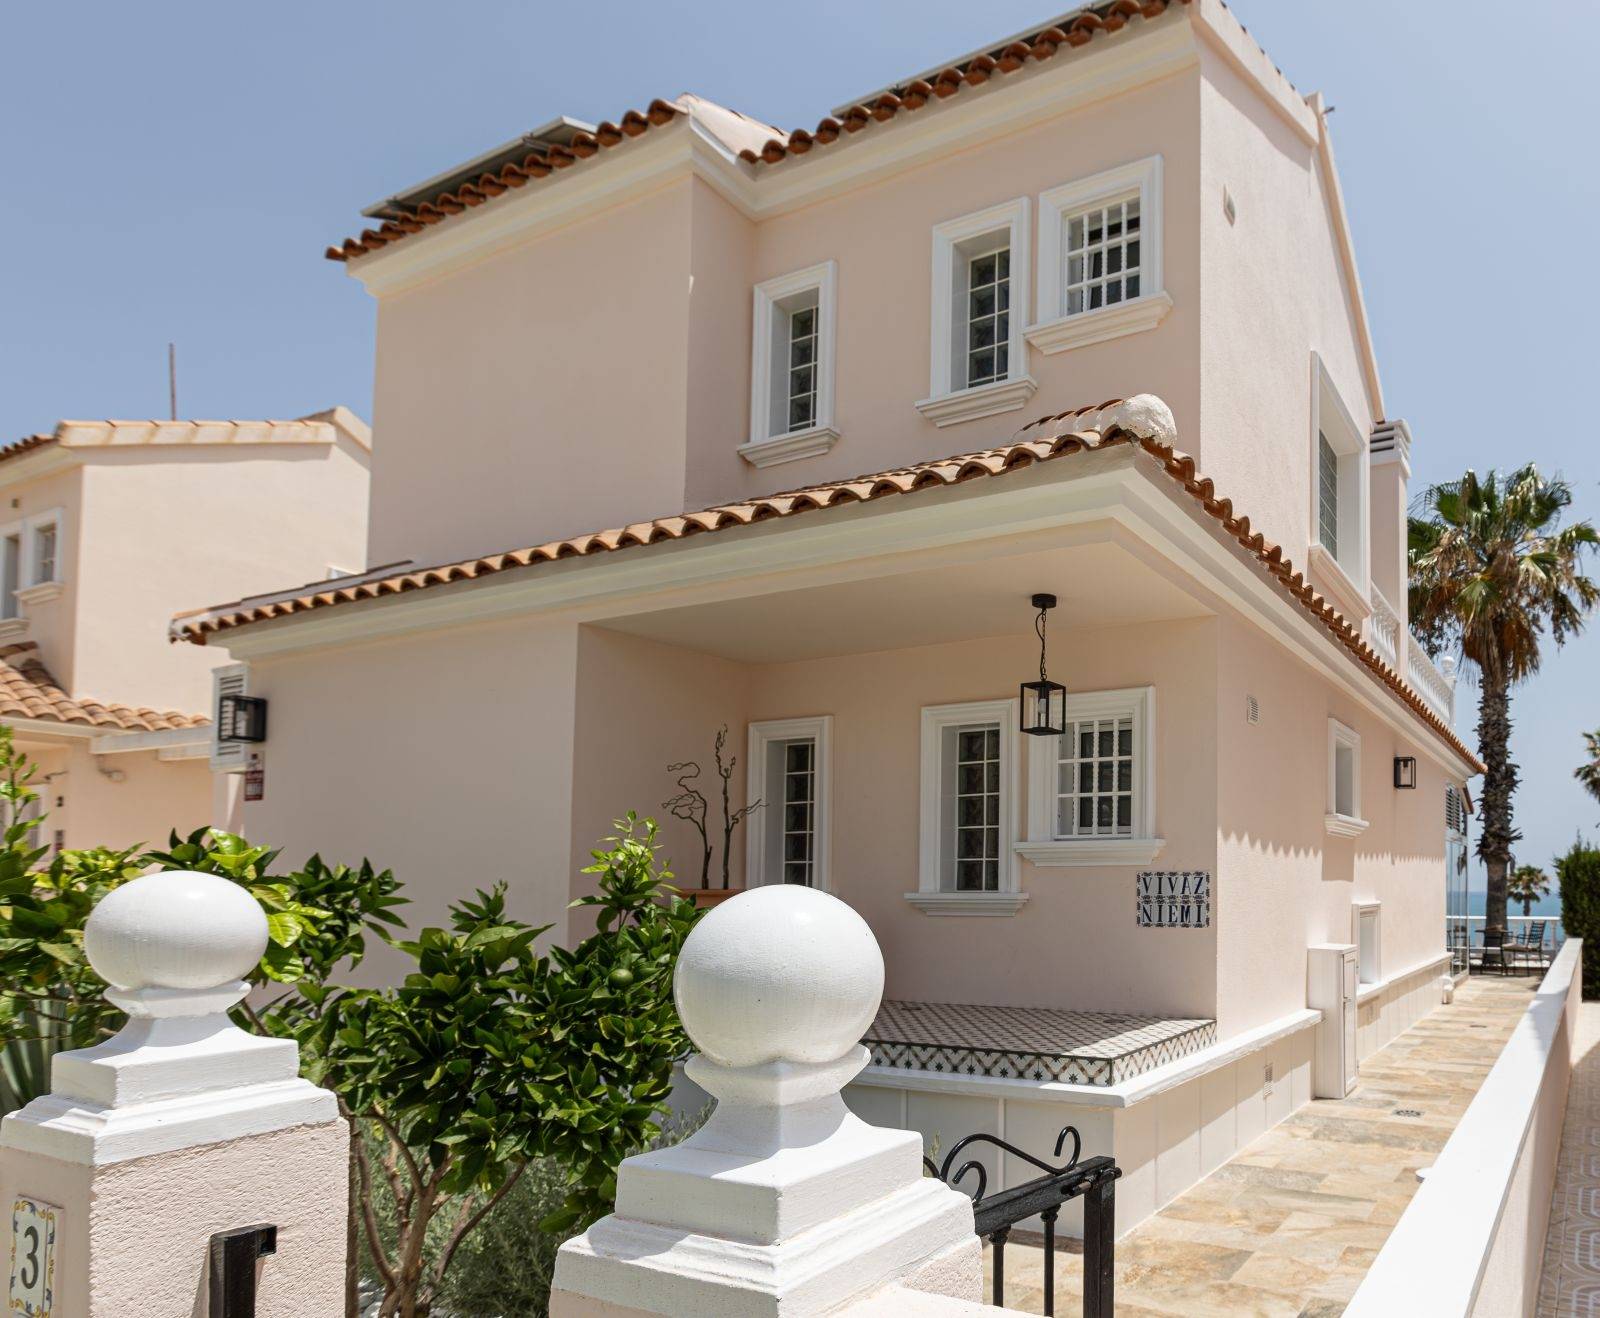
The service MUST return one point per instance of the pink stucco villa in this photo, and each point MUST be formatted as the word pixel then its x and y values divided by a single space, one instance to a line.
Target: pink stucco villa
pixel 107 527
pixel 1220 881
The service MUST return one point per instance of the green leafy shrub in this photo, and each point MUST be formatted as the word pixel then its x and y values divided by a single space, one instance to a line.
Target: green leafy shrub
pixel 1579 874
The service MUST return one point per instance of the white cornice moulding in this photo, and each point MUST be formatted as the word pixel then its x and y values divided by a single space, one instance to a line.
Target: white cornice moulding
pixel 1143 313
pixel 12 630
pixel 968 903
pixel 1345 825
pixel 985 400
pixel 810 443
pixel 1093 851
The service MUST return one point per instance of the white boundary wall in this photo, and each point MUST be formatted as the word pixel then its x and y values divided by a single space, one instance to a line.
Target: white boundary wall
pixel 1471 1242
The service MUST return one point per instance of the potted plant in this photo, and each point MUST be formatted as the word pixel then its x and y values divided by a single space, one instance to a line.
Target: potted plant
pixel 690 804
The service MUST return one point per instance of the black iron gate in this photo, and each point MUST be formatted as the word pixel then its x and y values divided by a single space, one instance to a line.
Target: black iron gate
pixel 1094 1180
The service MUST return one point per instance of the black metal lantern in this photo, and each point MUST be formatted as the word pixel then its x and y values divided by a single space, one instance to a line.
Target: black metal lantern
pixel 1044 703
pixel 1405 773
pixel 241 718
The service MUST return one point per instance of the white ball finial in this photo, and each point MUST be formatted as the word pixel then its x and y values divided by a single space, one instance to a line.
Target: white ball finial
pixel 780 973
pixel 175 930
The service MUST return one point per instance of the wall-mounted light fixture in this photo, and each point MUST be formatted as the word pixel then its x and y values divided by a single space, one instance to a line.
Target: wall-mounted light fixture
pixel 1405 772
pixel 241 718
pixel 1044 703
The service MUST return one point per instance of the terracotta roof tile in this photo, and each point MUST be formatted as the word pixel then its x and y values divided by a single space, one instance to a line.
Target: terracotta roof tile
pixel 537 164
pixel 28 691
pixel 1044 440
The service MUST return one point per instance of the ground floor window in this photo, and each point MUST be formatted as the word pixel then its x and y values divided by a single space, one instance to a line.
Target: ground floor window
pixel 788 774
pixel 968 829
pixel 1091 795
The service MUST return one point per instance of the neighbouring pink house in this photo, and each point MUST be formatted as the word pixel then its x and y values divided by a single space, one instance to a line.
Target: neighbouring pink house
pixel 106 527
pixel 1170 923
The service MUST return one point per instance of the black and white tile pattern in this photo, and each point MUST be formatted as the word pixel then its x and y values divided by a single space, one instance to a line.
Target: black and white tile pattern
pixel 1029 1043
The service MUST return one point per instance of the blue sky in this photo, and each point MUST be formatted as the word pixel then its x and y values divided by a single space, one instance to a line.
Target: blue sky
pixel 174 171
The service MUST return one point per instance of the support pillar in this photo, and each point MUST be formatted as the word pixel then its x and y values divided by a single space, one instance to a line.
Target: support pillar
pixel 181 1127
pixel 784 1203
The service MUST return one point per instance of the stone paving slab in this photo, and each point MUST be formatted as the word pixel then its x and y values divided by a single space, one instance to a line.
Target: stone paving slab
pixel 1289 1226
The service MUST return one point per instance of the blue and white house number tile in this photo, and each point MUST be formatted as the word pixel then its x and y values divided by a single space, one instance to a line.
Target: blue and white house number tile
pixel 33 1260
pixel 1174 899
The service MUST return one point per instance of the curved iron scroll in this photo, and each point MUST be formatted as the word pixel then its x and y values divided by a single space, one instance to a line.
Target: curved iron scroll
pixel 943 1173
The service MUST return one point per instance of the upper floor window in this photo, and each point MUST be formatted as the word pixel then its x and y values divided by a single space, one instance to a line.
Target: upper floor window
pixel 44 553
pixel 30 561
pixel 1339 497
pixel 1327 495
pixel 1100 258
pixel 787 839
pixel 980 278
pixel 792 367
pixel 1092 789
pixel 967 861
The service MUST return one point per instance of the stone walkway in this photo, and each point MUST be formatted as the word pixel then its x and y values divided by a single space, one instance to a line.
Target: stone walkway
pixel 1289 1226
pixel 1570 1281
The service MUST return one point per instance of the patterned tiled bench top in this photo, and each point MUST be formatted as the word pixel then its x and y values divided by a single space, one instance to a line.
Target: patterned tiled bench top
pixel 1030 1043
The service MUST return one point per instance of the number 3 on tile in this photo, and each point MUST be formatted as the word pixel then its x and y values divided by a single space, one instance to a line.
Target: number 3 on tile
pixel 33 1259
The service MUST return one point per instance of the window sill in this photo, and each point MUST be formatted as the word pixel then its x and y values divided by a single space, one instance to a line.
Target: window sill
pixel 1099 325
pixel 985 400
pixel 967 903
pixel 12 629
pixel 1092 851
pixel 1347 596
pixel 808 443
pixel 1345 825
pixel 45 590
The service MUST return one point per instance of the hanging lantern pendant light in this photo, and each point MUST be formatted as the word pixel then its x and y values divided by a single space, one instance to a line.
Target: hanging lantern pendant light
pixel 1044 703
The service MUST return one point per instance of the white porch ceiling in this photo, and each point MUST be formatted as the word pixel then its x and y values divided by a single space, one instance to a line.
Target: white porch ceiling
pixel 1098 585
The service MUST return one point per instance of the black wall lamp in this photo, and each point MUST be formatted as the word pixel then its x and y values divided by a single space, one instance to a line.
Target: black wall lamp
pixel 1044 703
pixel 1405 773
pixel 241 718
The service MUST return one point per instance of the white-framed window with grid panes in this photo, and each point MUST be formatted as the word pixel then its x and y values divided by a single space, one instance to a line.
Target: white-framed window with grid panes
pixel 788 770
pixel 31 569
pixel 1100 262
pixel 967 862
pixel 1091 795
pixel 1343 816
pixel 1340 463
pixel 980 280
pixel 792 367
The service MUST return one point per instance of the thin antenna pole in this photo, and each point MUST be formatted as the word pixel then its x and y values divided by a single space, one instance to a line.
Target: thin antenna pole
pixel 172 378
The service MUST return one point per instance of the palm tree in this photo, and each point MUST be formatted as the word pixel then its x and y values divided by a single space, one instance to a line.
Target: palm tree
pixel 1589 774
pixel 1528 884
pixel 1491 571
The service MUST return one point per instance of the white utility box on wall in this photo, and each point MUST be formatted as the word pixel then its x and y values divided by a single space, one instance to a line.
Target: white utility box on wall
pixel 1331 978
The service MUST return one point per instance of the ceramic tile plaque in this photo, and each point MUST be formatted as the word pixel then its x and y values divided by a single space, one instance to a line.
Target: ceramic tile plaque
pixel 33 1260
pixel 1174 899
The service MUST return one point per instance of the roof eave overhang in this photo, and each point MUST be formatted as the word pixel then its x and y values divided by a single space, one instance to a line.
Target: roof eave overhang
pixel 1119 484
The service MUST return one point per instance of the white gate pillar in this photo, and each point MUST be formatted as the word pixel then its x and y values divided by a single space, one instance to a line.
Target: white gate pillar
pixel 180 1127
pixel 784 1203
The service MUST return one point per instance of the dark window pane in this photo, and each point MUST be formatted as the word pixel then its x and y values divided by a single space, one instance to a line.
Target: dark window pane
pixel 802 323
pixel 969 876
pixel 983 270
pixel 801 353
pixel 991 876
pixel 1002 263
pixel 1107 774
pixel 1133 254
pixel 797 756
pixel 797 846
pixel 1113 292
pixel 1124 812
pixel 1096 297
pixel 969 779
pixel 797 818
pixel 1103 813
pixel 969 811
pixel 1105 741
pixel 1133 286
pixel 1125 776
pixel 970 744
pixel 991 743
pixel 993 777
pixel 991 810
pixel 797 787
pixel 1085 743
pixel 1002 355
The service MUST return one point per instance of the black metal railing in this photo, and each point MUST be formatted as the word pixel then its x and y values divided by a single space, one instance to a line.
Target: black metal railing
pixel 1094 1180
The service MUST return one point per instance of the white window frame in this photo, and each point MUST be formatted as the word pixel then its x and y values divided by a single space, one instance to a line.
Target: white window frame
pixel 1339 822
pixel 1346 577
pixel 761 737
pixel 1056 330
pixel 930 898
pixel 767 446
pixel 30 588
pixel 1367 972
pixel 1042 846
pixel 946 403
